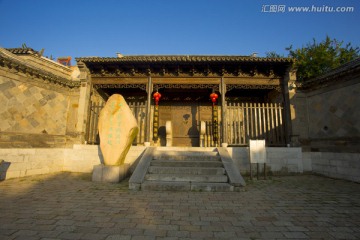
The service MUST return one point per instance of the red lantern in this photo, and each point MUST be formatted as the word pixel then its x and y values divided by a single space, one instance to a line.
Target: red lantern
pixel 157 97
pixel 214 98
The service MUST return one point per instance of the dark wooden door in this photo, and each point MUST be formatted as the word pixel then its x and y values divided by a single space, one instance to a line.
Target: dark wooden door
pixel 185 119
pixel 185 122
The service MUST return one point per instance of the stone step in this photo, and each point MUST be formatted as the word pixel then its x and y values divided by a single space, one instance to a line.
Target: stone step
pixel 187 178
pixel 186 149
pixel 187 170
pixel 186 186
pixel 190 156
pixel 184 153
pixel 187 158
pixel 171 163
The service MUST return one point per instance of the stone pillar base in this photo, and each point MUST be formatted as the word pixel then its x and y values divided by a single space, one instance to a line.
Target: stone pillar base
pixel 224 145
pixel 294 141
pixel 111 174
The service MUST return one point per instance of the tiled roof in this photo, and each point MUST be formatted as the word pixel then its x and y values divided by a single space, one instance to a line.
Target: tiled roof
pixel 180 58
pixel 22 50
pixel 10 59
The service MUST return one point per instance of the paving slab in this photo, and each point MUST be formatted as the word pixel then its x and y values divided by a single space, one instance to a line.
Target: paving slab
pixel 71 206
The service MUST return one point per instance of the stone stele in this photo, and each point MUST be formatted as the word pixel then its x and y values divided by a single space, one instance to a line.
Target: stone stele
pixel 117 129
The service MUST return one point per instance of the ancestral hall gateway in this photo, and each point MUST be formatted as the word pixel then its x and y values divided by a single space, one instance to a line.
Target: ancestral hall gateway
pixel 194 100
pixel 50 110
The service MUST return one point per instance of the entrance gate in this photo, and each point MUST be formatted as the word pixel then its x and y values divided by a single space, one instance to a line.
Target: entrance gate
pixel 185 119
pixel 245 121
pixel 244 85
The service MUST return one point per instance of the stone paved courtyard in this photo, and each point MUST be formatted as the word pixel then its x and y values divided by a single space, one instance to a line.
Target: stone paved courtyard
pixel 70 206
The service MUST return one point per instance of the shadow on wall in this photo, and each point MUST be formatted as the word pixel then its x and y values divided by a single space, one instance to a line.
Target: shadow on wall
pixel 4 166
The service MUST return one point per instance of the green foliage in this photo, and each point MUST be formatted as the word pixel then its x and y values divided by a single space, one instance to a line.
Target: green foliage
pixel 318 58
pixel 274 54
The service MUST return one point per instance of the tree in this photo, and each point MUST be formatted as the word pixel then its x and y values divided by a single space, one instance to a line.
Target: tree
pixel 273 54
pixel 318 58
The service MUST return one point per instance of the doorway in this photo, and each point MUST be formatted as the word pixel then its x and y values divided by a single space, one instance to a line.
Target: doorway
pixel 185 123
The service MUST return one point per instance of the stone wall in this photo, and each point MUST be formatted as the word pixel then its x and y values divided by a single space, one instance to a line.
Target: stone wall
pixel 18 162
pixel 33 114
pixel 334 113
pixel 21 162
pixel 327 119
pixel 82 158
pixel 30 109
pixel 279 160
pixel 336 165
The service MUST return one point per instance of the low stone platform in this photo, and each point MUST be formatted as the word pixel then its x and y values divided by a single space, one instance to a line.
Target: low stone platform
pixel 71 206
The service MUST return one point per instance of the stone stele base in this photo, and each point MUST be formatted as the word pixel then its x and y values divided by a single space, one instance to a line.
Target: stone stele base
pixel 111 174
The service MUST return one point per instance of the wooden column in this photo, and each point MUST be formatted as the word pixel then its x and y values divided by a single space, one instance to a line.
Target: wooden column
pixel 149 89
pixel 223 111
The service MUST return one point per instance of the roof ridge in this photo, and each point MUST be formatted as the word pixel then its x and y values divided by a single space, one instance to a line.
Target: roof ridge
pixel 346 66
pixel 351 66
pixel 183 58
pixel 46 74
pixel 20 50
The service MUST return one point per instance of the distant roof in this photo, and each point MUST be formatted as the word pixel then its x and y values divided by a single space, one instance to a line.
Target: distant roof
pixel 64 58
pixel 180 58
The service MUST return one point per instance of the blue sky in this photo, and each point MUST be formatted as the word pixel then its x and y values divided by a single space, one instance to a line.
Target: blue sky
pixel 192 27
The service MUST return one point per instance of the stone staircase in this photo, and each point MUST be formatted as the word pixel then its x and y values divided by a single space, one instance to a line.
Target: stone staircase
pixel 186 169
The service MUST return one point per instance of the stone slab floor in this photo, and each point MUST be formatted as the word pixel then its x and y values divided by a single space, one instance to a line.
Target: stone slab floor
pixel 70 206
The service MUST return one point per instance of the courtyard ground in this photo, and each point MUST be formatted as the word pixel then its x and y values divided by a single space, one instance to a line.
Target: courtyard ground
pixel 70 206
